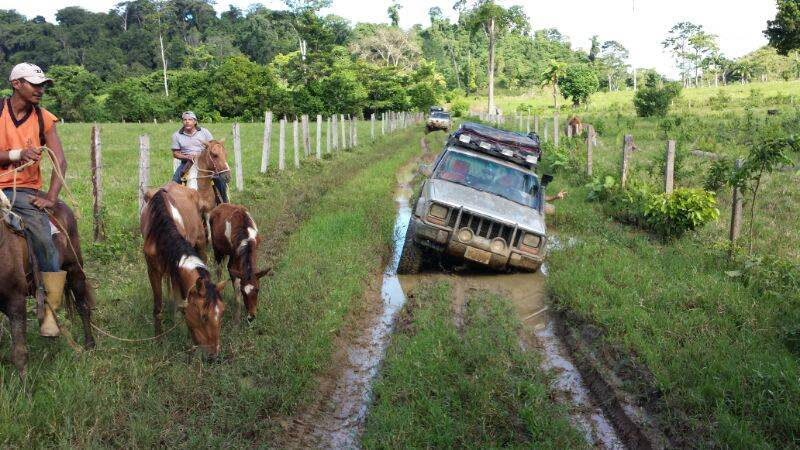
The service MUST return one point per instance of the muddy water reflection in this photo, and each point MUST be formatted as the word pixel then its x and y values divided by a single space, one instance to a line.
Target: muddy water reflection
pixel 353 390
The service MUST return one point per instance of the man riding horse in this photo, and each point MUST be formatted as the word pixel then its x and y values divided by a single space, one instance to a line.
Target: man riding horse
pixel 26 129
pixel 187 144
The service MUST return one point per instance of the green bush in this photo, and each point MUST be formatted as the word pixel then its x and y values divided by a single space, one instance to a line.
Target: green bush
pixel 672 215
pixel 628 205
pixel 720 101
pixel 459 107
pixel 600 188
pixel 653 101
pixel 718 175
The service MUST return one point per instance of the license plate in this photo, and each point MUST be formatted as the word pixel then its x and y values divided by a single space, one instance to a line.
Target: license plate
pixel 477 255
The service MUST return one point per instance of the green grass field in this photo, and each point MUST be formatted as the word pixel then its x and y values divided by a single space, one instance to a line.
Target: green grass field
pixel 328 228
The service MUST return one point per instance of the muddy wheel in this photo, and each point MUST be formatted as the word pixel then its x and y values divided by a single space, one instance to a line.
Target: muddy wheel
pixel 411 259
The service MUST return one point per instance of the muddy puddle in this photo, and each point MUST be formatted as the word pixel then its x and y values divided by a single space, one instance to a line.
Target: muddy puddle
pixel 344 415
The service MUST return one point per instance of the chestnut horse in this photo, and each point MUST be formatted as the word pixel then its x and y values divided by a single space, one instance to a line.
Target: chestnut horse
pixel 174 246
pixel 17 279
pixel 234 235
pixel 213 161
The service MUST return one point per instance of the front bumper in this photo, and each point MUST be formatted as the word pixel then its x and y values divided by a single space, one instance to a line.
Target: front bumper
pixel 442 240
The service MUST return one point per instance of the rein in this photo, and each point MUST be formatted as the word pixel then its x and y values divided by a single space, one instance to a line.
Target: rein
pixel 211 173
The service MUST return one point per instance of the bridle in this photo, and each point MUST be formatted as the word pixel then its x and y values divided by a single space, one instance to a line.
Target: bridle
pixel 212 163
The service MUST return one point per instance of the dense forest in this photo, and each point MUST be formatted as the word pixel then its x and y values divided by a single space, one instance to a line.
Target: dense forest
pixel 148 59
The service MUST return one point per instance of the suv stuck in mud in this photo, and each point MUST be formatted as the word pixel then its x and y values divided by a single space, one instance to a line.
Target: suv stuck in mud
pixel 481 202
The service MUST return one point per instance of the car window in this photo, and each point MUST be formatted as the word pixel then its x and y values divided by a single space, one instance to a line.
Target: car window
pixel 440 115
pixel 489 176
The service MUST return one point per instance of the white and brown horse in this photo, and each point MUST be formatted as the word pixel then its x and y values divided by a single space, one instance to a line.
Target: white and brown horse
pixel 174 247
pixel 17 279
pixel 234 236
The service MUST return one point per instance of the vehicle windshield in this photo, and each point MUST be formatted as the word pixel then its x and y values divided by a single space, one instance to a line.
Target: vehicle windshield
pixel 440 115
pixel 486 175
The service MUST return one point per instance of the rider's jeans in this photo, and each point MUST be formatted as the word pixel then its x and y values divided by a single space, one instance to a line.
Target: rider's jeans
pixel 219 183
pixel 37 228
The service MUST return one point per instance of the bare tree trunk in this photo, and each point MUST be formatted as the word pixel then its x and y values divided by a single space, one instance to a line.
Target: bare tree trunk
pixel 491 65
pixel 163 58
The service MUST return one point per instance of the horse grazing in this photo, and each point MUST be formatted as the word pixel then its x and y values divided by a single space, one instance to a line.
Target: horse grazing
pixel 234 235
pixel 174 245
pixel 16 273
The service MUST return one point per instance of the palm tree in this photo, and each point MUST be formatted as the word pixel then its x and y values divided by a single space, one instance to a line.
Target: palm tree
pixel 550 77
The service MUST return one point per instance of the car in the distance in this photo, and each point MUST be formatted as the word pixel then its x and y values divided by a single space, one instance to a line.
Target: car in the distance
pixel 438 120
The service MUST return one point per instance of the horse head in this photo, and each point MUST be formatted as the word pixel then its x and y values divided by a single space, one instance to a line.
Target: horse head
pixel 250 286
pixel 216 159
pixel 203 314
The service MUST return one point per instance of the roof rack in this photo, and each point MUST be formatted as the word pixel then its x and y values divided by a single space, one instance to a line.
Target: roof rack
pixel 514 147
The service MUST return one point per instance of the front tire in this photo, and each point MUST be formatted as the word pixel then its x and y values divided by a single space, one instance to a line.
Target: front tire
pixel 412 257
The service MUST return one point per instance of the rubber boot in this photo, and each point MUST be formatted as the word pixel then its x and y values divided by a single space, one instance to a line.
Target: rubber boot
pixel 54 285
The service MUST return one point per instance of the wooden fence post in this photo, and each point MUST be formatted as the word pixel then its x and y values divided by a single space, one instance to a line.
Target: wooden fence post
pixel 319 136
pixel 97 185
pixel 328 137
pixel 383 123
pixel 555 128
pixel 335 134
pixel 265 145
pixel 342 131
pixel 355 131
pixel 669 169
pixel 627 147
pixel 536 124
pixel 296 143
pixel 589 143
pixel 282 145
pixel 569 130
pixel 144 167
pixel 306 137
pixel 737 206
pixel 237 153
pixel 372 126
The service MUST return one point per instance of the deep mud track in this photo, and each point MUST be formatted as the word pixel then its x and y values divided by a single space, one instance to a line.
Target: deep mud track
pixel 336 417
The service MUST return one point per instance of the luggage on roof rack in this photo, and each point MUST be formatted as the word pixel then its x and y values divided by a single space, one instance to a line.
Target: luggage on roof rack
pixel 518 148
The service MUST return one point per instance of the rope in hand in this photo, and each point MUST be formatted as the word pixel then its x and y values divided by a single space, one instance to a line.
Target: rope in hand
pixel 160 335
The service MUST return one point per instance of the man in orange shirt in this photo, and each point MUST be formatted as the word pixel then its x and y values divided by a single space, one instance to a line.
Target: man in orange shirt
pixel 25 128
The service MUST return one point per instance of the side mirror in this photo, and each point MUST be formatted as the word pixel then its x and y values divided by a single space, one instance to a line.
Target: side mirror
pixel 546 179
pixel 425 170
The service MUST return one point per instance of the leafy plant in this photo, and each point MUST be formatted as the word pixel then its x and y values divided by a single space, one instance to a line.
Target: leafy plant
pixel 718 175
pixel 654 101
pixel 720 101
pixel 459 107
pixel 672 215
pixel 579 82
pixel 600 189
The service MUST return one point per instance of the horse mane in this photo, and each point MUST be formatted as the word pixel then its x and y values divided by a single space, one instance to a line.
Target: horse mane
pixel 172 246
pixel 246 252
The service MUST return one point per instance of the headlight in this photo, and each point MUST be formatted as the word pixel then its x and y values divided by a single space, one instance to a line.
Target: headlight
pixel 438 211
pixel 465 235
pixel 531 240
pixel 498 245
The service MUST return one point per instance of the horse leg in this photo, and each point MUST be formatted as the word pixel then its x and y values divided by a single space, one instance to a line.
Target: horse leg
pixel 237 315
pixel 15 309
pixel 84 301
pixel 155 285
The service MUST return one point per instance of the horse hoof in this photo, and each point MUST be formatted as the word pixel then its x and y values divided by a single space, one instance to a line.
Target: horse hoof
pixel 250 319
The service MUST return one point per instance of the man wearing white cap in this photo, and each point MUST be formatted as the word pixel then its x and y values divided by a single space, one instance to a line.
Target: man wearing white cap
pixel 25 129
pixel 187 144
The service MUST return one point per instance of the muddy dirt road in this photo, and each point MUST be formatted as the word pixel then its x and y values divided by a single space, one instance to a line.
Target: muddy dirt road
pixel 336 419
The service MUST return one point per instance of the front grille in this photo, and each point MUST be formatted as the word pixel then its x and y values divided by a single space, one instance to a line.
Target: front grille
pixel 483 226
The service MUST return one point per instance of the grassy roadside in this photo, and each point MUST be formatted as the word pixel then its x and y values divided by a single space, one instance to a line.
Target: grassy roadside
pixel 142 395
pixel 441 387
pixel 723 355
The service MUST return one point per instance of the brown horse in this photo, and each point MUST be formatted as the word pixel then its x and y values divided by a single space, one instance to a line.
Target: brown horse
pixel 576 125
pixel 213 161
pixel 17 284
pixel 174 246
pixel 234 235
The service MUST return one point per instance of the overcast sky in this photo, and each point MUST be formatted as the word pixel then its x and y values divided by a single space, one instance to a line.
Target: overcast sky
pixel 640 27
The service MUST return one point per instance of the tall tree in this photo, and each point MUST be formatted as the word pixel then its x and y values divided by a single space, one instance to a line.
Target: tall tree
pixel 394 13
pixel 784 31
pixel 594 49
pixel 677 42
pixel 495 20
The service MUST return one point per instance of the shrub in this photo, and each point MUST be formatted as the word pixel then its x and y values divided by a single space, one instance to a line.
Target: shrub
pixel 600 189
pixel 720 101
pixel 672 215
pixel 718 175
pixel 579 82
pixel 628 205
pixel 459 107
pixel 653 101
